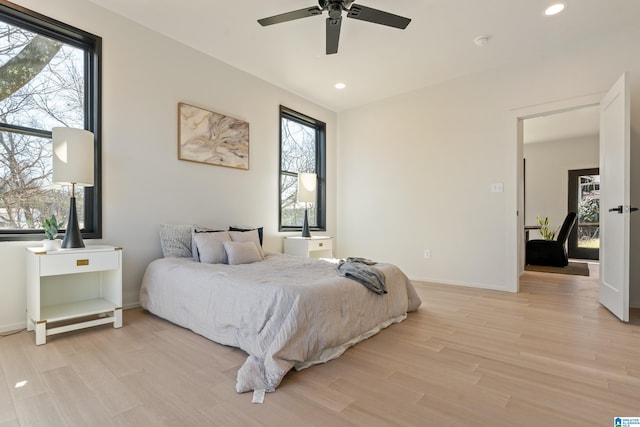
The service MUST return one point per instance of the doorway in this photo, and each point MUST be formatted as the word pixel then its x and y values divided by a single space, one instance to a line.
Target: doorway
pixel 522 118
pixel 615 148
pixel 554 145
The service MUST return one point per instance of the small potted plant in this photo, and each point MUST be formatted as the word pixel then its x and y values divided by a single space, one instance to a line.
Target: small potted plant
pixel 547 232
pixel 51 231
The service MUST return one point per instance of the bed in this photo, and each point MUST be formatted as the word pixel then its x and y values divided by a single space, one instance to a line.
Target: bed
pixel 285 312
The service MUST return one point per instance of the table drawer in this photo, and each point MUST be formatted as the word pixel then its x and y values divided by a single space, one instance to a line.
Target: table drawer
pixel 319 245
pixel 54 264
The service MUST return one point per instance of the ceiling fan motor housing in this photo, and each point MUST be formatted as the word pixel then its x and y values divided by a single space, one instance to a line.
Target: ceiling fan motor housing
pixel 335 10
pixel 335 5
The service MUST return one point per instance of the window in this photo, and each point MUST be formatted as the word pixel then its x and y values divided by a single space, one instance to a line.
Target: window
pixel 302 149
pixel 49 77
pixel 584 199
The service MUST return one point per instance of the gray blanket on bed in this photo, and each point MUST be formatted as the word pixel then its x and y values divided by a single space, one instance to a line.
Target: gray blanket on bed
pixel 362 270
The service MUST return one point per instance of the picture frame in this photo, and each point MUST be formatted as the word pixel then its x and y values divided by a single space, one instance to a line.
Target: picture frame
pixel 212 138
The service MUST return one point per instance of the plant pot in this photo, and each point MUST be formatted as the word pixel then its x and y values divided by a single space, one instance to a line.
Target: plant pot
pixel 51 245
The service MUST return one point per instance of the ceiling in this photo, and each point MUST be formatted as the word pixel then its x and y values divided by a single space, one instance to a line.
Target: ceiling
pixel 376 61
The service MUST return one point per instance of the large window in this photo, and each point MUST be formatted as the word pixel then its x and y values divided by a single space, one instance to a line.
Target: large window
pixel 49 77
pixel 302 149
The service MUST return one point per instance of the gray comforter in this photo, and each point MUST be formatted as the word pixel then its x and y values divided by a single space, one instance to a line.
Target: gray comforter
pixel 285 312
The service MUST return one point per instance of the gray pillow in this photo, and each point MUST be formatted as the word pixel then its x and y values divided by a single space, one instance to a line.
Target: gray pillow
pixel 243 228
pixel 175 240
pixel 248 236
pixel 199 229
pixel 242 252
pixel 210 246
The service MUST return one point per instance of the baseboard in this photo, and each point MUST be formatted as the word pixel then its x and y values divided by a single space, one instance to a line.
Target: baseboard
pixel 464 284
pixel 131 305
pixel 11 327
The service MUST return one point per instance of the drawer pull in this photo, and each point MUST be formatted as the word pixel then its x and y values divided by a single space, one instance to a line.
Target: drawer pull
pixel 80 262
pixel 321 244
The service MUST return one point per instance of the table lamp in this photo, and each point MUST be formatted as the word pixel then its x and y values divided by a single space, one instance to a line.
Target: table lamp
pixel 307 194
pixel 72 164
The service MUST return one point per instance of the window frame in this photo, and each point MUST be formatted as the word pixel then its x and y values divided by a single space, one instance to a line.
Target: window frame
pixel 320 169
pixel 92 47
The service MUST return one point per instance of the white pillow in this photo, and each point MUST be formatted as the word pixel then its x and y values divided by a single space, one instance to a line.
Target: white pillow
pixel 242 252
pixel 200 229
pixel 210 246
pixel 248 236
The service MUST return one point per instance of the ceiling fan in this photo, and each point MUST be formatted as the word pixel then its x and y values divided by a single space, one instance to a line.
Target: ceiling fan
pixel 334 20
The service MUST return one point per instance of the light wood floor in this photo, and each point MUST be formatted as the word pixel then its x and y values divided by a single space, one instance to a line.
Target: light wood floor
pixel 550 355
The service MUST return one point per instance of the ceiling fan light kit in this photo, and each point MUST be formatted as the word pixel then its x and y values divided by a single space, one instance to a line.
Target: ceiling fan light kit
pixel 334 9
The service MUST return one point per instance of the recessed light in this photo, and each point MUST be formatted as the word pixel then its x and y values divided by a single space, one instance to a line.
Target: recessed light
pixel 554 9
pixel 340 85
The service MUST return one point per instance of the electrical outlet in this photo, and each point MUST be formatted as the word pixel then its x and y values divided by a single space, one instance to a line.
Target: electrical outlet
pixel 427 253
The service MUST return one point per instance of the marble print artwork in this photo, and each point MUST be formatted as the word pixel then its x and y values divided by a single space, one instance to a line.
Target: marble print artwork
pixel 208 137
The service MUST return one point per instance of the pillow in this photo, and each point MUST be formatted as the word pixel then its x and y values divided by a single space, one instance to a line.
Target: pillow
pixel 241 228
pixel 175 240
pixel 195 230
pixel 242 252
pixel 248 236
pixel 202 229
pixel 210 248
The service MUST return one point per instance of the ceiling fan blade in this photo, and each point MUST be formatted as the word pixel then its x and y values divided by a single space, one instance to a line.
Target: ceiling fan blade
pixel 376 16
pixel 333 34
pixel 290 16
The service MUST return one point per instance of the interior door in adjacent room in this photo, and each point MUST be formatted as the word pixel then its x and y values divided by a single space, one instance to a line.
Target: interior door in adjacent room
pixel 615 198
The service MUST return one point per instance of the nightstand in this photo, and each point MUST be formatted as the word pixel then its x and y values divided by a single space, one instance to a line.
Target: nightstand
pixel 310 247
pixel 73 289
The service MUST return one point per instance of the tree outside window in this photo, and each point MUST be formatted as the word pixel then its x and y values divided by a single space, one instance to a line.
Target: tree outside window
pixel 43 84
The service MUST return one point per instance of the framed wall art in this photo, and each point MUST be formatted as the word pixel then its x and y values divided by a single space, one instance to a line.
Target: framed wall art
pixel 212 138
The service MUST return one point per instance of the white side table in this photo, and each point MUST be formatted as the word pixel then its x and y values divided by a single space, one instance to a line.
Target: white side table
pixel 70 285
pixel 310 247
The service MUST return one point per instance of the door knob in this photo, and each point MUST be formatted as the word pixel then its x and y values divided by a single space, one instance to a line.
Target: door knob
pixel 620 209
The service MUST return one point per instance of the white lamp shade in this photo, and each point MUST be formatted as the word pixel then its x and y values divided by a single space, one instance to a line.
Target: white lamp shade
pixel 72 156
pixel 307 187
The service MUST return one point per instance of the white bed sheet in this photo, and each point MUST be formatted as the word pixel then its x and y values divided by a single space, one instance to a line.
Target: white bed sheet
pixel 285 312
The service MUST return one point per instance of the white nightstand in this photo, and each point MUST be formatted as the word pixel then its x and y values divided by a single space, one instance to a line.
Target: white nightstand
pixel 73 284
pixel 310 247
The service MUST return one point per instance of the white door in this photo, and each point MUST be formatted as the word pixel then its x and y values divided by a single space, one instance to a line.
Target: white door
pixel 615 198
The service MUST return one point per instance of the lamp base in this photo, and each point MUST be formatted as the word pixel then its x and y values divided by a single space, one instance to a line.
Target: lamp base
pixel 72 235
pixel 305 226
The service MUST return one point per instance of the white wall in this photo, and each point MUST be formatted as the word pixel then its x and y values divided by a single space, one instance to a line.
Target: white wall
pixel 414 171
pixel 547 180
pixel 430 157
pixel 145 75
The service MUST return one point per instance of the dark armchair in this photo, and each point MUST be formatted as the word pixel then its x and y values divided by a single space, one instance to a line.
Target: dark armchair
pixel 551 252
